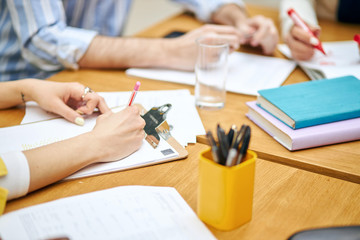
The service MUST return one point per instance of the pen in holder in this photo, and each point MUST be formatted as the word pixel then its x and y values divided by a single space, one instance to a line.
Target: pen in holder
pixel 225 194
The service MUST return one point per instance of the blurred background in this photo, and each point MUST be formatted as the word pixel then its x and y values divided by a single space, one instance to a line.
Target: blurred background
pixel 145 13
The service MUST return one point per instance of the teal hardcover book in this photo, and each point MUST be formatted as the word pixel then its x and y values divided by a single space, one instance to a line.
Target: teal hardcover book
pixel 312 103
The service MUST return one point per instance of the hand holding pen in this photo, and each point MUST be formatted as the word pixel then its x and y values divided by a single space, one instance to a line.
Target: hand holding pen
pixel 302 39
pixel 231 148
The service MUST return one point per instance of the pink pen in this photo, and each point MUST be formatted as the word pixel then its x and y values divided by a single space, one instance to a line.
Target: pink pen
pixel 299 22
pixel 133 94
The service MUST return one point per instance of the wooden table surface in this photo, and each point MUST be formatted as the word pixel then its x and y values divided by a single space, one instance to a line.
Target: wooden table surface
pixel 340 160
pixel 286 199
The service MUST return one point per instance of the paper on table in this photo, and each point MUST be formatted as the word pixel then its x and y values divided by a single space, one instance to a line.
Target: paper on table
pixel 127 212
pixel 32 135
pixel 342 58
pixel 34 113
pixel 183 116
pixel 248 73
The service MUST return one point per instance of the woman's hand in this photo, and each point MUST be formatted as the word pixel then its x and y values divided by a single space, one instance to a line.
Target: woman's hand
pixel 65 99
pixel 118 134
pixel 301 43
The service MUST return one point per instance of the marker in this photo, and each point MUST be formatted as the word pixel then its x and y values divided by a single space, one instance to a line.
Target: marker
pixel 133 94
pixel 231 135
pixel 223 145
pixel 214 147
pixel 299 22
pixel 244 146
pixel 233 152
pixel 357 38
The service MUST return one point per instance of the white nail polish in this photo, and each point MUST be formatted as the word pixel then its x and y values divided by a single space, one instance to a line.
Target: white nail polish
pixel 79 121
pixel 314 41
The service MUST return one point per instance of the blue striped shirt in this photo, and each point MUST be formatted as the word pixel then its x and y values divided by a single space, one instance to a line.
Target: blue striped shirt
pixel 41 37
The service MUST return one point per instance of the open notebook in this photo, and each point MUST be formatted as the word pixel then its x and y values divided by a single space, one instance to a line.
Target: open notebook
pixel 342 58
pixel 183 117
pixel 32 135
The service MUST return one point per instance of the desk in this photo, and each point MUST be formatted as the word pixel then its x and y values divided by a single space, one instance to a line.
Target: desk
pixel 340 160
pixel 286 199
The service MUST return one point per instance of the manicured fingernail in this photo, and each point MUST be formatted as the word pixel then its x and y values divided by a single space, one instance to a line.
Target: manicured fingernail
pixel 79 121
pixel 79 112
pixel 314 41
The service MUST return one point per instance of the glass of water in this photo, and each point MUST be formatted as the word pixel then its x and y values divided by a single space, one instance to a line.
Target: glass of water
pixel 211 70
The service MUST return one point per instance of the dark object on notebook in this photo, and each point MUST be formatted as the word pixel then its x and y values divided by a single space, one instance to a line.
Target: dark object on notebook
pixel 174 34
pixel 331 233
pixel 154 118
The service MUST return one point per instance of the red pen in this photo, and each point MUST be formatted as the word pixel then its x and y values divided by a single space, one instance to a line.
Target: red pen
pixel 133 94
pixel 299 22
pixel 357 38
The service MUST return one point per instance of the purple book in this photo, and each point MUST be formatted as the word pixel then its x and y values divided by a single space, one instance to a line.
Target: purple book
pixel 325 134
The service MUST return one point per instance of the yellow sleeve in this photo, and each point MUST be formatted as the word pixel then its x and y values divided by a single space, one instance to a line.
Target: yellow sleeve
pixel 3 191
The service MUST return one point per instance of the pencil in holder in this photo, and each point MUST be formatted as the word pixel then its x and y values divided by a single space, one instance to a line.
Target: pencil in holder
pixel 225 194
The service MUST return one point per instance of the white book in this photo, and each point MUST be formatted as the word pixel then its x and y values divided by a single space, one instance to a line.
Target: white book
pixel 127 212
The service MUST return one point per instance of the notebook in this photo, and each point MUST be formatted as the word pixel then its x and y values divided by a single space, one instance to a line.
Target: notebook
pixel 312 103
pixel 342 58
pixel 320 135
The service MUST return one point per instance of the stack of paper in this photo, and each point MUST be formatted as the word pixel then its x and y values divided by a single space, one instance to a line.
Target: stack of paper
pixel 342 58
pixel 247 74
pixel 129 212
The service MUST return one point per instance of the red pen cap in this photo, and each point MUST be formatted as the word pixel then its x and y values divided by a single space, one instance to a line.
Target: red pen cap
pixel 357 38
pixel 290 11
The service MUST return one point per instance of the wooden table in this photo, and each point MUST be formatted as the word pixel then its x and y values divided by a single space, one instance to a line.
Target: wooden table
pixel 340 160
pixel 286 199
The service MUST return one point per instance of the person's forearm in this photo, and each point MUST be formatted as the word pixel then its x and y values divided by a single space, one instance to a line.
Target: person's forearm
pixel 230 14
pixel 13 93
pixel 110 52
pixel 56 161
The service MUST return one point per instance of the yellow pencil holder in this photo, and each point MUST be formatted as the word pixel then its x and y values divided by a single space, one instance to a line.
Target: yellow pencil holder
pixel 225 194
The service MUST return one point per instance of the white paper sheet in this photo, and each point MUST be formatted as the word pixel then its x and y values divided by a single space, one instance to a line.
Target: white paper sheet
pixel 128 212
pixel 183 116
pixel 32 135
pixel 248 73
pixel 342 58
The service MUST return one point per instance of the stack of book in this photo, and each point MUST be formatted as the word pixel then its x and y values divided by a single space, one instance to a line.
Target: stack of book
pixel 310 114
